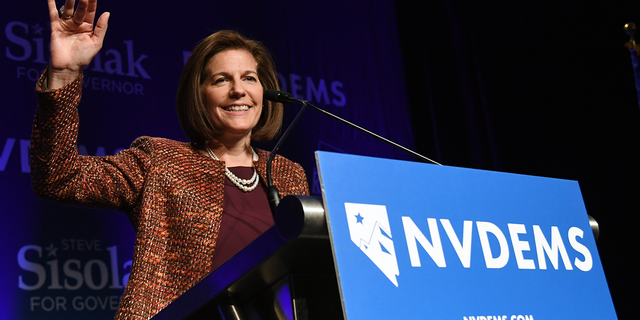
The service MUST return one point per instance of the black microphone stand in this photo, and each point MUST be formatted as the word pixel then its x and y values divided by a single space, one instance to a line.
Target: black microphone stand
pixel 272 191
pixel 285 97
pixel 282 97
pixel 375 135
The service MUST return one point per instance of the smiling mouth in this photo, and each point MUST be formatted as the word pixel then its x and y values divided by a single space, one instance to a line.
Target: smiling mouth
pixel 236 108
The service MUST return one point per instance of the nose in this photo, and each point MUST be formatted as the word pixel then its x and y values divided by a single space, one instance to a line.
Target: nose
pixel 237 89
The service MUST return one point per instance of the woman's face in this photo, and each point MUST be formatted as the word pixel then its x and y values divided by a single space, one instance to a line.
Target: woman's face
pixel 232 93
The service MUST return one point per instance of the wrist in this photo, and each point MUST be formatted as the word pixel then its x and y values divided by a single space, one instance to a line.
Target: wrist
pixel 58 78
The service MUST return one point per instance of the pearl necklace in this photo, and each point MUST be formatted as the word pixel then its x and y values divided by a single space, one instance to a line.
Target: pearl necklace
pixel 245 185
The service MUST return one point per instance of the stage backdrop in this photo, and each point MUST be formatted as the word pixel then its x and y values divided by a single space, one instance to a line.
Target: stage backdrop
pixel 64 262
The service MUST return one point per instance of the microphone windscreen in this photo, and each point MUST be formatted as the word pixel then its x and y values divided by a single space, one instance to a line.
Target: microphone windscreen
pixel 276 96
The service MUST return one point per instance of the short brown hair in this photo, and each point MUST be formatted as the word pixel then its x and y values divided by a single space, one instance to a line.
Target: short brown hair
pixel 196 122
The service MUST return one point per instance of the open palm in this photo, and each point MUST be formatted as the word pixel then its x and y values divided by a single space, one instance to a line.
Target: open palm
pixel 75 41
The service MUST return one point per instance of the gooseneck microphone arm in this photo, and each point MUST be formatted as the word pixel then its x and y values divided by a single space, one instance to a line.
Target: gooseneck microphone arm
pixel 282 96
pixel 272 192
pixel 375 135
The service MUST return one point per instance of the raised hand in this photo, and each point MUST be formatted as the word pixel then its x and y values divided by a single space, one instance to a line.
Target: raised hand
pixel 74 40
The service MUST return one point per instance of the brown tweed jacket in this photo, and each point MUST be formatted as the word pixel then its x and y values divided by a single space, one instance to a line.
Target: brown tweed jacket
pixel 170 191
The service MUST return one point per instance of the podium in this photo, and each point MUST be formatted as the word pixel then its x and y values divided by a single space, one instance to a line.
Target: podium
pixel 286 273
pixel 402 240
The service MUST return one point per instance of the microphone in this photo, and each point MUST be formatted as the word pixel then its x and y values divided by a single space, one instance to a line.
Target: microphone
pixel 279 96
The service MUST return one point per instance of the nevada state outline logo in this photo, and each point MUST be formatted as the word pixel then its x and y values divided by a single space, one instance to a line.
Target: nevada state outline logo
pixel 370 231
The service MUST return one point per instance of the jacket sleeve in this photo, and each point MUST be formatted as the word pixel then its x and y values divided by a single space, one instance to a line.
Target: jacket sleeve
pixel 289 177
pixel 300 183
pixel 60 174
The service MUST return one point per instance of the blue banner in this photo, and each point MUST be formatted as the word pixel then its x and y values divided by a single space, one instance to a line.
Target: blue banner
pixel 420 241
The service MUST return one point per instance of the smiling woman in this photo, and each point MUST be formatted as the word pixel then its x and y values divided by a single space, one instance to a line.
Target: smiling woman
pixel 194 117
pixel 232 95
pixel 192 204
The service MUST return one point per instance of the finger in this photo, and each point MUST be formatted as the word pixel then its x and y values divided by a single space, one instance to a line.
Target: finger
pixel 80 14
pixel 53 10
pixel 101 26
pixel 92 6
pixel 68 8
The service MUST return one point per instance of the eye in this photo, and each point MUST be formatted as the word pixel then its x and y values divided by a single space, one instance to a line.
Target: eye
pixel 219 80
pixel 251 78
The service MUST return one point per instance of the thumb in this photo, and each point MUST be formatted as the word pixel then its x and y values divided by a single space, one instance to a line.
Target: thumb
pixel 101 26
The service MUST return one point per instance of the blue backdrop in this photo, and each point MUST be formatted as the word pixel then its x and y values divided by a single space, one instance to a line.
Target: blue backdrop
pixel 63 262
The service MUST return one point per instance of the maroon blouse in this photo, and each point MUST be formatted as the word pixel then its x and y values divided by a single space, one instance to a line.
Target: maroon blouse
pixel 246 215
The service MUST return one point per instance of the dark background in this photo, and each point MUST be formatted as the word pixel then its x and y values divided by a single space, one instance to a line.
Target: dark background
pixel 535 87
pixel 538 87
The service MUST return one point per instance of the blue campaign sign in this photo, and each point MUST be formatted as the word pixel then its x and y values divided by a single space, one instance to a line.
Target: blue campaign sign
pixel 420 241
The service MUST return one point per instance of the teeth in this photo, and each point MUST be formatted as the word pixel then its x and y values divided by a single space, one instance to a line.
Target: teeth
pixel 237 108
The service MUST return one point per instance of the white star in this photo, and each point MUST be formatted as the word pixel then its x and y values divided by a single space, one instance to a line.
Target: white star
pixel 51 250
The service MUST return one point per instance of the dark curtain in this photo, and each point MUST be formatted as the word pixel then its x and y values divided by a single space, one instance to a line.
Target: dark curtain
pixel 535 87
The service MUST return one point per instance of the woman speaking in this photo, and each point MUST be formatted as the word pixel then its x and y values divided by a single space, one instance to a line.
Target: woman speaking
pixel 193 204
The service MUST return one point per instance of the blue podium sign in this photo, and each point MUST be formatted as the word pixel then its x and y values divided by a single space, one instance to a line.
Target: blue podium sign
pixel 419 241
